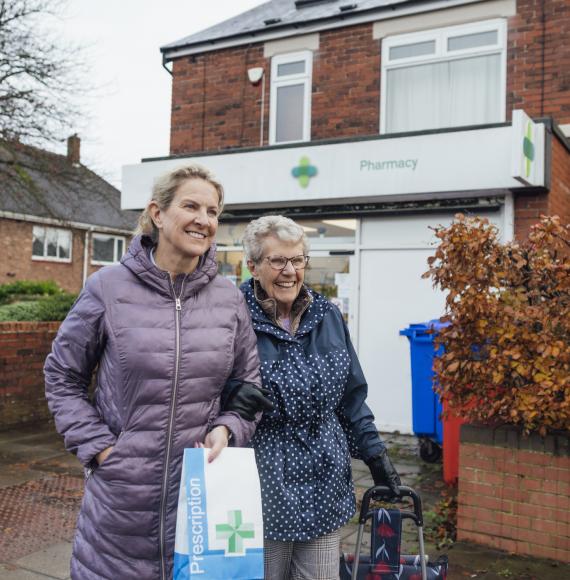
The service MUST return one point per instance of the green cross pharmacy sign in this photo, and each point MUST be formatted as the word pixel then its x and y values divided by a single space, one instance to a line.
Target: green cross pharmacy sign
pixel 235 531
pixel 304 171
pixel 528 149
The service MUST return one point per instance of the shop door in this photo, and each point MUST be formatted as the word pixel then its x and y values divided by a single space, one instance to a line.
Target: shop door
pixel 331 273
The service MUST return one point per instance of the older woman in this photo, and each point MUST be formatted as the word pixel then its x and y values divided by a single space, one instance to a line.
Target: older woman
pixel 303 447
pixel 165 333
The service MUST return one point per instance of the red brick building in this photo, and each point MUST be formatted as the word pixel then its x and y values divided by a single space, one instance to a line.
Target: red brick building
pixel 58 220
pixel 368 122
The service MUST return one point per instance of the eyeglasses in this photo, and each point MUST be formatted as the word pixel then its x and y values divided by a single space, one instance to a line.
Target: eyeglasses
pixel 280 262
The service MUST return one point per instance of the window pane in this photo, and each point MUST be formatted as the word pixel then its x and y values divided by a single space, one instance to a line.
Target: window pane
pixel 51 236
pixel 490 37
pixel 328 231
pixel 289 117
pixel 64 244
pixel 291 68
pixel 409 50
pixel 39 237
pixel 120 250
pixel 446 94
pixel 103 249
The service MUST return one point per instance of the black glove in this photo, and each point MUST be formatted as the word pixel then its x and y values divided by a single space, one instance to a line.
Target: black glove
pixel 247 400
pixel 383 472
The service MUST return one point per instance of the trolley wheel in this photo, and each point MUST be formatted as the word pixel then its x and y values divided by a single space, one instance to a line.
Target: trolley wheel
pixel 429 451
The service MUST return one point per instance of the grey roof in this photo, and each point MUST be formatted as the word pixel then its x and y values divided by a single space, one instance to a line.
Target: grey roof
pixel 253 21
pixel 43 184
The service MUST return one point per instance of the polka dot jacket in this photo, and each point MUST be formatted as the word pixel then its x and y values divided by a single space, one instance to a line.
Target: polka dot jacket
pixel 303 446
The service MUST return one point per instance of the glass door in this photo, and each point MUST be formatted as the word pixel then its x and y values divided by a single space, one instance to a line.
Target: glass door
pixel 329 273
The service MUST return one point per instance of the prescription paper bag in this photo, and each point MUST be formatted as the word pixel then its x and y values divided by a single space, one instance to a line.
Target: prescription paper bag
pixel 219 528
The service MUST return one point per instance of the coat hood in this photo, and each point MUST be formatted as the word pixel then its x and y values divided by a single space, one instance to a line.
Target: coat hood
pixel 313 315
pixel 138 261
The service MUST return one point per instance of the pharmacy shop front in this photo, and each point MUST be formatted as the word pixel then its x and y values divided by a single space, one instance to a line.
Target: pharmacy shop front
pixel 367 207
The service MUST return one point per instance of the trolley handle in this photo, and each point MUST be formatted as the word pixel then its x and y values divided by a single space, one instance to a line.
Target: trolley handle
pixel 382 491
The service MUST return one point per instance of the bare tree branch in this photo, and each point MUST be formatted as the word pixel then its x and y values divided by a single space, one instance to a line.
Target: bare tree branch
pixel 38 74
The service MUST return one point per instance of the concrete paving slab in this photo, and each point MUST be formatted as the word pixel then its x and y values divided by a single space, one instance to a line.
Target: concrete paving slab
pixel 11 572
pixel 15 475
pixel 52 561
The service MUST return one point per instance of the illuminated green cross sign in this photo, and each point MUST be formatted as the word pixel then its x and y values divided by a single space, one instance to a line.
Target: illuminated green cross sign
pixel 528 148
pixel 304 171
pixel 235 531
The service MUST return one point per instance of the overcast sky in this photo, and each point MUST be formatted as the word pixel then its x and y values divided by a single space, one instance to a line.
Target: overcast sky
pixel 128 115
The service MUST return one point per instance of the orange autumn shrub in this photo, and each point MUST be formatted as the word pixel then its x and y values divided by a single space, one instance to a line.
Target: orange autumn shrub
pixel 507 349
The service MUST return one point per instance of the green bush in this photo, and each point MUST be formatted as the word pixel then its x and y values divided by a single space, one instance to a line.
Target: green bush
pixel 27 289
pixel 50 308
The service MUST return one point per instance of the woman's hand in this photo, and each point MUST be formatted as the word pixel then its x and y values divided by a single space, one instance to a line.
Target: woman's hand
pixel 216 440
pixel 100 457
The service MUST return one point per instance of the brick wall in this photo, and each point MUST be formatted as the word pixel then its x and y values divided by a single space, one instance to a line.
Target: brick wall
pixel 539 90
pixel 23 349
pixel 17 263
pixel 514 492
pixel 346 84
pixel 530 206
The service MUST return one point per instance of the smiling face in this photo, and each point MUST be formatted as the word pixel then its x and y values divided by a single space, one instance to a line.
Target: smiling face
pixel 284 286
pixel 187 227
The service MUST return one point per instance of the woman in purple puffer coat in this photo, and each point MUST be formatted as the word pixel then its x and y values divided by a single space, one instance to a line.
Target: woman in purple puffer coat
pixel 166 334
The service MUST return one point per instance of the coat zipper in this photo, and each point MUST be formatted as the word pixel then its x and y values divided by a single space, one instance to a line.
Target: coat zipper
pixel 178 309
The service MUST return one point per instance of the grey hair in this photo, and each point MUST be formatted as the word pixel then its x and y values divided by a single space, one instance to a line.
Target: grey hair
pixel 165 188
pixel 281 227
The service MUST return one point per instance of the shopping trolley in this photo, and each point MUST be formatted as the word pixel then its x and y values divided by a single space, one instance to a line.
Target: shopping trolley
pixel 385 561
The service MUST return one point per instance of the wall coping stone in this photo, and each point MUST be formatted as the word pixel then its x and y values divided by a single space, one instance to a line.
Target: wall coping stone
pixel 555 443
pixel 28 326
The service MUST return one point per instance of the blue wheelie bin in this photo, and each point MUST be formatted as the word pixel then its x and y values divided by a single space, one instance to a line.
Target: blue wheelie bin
pixel 426 406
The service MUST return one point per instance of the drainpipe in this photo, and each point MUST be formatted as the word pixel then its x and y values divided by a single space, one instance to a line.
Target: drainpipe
pixel 86 254
pixel 262 109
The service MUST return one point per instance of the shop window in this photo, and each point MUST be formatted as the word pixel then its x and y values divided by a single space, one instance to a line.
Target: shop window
pixel 449 77
pixel 107 249
pixel 290 108
pixel 53 244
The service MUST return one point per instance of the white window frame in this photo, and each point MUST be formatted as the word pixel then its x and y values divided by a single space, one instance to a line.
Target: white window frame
pixel 442 54
pixel 104 237
pixel 305 78
pixel 46 258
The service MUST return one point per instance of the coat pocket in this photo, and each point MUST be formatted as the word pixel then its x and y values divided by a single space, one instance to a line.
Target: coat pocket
pixel 111 458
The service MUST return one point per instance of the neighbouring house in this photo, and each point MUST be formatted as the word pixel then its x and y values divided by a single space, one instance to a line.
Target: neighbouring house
pixel 368 122
pixel 58 220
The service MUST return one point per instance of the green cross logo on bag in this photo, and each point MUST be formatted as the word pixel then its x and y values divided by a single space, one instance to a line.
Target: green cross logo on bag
pixel 235 531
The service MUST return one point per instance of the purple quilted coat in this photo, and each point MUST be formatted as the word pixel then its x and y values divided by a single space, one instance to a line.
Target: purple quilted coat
pixel 165 351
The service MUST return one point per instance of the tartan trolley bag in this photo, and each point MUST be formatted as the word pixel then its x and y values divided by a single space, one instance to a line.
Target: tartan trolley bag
pixel 385 561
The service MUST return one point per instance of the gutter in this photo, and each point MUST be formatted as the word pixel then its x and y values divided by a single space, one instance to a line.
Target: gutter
pixel 63 223
pixel 286 30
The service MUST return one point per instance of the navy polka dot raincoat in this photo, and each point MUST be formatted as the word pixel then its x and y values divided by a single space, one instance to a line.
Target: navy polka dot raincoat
pixel 303 447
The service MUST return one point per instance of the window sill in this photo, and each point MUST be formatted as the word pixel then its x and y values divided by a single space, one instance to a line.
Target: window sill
pixel 51 259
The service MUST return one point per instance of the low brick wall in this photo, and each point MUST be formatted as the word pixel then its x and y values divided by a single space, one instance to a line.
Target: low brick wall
pixel 514 491
pixel 23 350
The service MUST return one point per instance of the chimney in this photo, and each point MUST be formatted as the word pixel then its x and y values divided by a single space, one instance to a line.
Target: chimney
pixel 73 149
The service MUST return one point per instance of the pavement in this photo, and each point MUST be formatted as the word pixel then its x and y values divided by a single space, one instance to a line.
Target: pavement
pixel 41 487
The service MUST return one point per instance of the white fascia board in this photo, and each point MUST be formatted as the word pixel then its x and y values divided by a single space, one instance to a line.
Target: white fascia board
pixel 416 166
pixel 22 217
pixel 296 30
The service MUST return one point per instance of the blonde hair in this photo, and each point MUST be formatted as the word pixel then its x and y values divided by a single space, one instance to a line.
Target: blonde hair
pixel 283 228
pixel 164 190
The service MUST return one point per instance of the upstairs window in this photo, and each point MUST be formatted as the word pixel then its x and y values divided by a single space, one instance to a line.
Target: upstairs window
pixel 107 249
pixel 51 244
pixel 290 107
pixel 449 77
